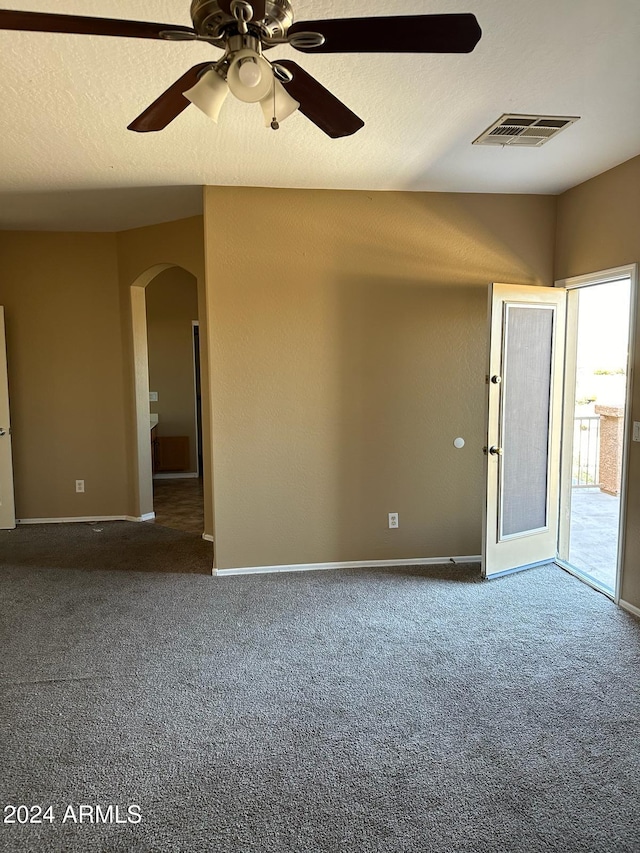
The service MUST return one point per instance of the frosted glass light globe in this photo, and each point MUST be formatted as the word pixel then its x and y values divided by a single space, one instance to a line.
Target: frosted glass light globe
pixel 249 73
pixel 259 82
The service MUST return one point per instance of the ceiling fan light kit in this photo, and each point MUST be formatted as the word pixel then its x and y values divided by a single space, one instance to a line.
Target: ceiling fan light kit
pixel 243 30
pixel 209 93
pixel 250 78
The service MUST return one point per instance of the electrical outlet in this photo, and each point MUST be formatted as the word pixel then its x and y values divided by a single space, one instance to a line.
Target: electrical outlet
pixel 79 485
pixel 153 396
pixel 394 521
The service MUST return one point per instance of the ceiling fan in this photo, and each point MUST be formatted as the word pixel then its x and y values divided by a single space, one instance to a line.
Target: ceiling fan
pixel 244 30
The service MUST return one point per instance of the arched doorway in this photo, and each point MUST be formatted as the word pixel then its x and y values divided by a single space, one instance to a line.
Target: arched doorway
pixel 161 477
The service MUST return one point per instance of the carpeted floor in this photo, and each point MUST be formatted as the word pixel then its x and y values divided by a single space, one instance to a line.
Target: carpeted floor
pixel 369 711
pixel 110 545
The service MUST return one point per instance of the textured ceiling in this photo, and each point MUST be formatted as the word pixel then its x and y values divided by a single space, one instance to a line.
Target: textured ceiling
pixel 67 100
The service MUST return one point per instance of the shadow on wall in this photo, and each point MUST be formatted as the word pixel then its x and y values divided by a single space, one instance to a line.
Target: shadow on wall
pixel 344 375
pixel 410 372
pixel 440 238
pixel 497 238
pixel 99 209
pixel 410 365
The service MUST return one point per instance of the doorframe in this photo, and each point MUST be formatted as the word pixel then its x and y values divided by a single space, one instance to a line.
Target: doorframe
pixel 143 480
pixel 195 324
pixel 7 490
pixel 143 466
pixel 609 276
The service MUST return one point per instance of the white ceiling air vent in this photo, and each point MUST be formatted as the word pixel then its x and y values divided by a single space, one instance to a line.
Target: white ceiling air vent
pixel 524 130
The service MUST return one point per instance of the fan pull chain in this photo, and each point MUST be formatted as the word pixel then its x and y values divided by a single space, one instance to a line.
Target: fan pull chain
pixel 275 125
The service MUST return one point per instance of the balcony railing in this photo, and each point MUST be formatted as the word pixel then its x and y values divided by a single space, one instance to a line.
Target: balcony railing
pixel 586 452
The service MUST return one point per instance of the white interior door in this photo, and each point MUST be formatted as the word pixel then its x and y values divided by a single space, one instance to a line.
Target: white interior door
pixel 524 420
pixel 7 505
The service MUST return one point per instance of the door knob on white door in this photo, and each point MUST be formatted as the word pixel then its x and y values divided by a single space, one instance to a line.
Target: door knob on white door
pixel 2 431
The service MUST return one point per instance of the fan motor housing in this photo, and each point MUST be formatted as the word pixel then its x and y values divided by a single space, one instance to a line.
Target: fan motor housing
pixel 210 20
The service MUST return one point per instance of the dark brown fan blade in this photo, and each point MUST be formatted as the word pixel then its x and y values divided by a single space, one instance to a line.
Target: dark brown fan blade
pixel 258 6
pixel 318 104
pixel 406 34
pixel 43 22
pixel 170 103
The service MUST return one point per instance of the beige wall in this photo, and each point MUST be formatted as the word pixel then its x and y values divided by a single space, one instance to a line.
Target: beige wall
pixel 172 306
pixel 177 243
pixel 599 228
pixel 348 334
pixel 66 373
pixel 348 344
pixel 70 357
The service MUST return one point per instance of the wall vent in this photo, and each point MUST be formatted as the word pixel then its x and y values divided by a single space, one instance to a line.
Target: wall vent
pixel 520 130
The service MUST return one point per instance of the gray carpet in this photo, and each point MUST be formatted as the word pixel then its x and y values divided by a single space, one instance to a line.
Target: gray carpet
pixel 400 711
pixel 119 545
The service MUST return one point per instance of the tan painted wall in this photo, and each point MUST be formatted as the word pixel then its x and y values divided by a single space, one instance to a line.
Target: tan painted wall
pixel 178 243
pixel 66 373
pixel 172 306
pixel 599 228
pixel 348 334
pixel 67 299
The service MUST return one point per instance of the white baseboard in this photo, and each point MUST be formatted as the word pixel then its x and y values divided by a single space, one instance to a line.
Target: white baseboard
pixel 148 516
pixel 207 537
pixel 188 475
pixel 631 608
pixel 86 519
pixel 356 564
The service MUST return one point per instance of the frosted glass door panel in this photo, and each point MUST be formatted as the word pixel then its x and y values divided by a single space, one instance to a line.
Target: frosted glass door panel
pixel 525 418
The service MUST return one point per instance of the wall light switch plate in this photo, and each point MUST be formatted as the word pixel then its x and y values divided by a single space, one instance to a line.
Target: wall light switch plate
pixel 636 430
pixel 153 396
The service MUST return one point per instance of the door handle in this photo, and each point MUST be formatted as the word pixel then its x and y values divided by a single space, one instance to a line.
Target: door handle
pixel 2 431
pixel 495 451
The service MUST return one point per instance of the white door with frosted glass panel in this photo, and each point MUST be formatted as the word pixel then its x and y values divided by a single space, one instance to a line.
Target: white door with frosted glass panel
pixel 7 506
pixel 524 420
